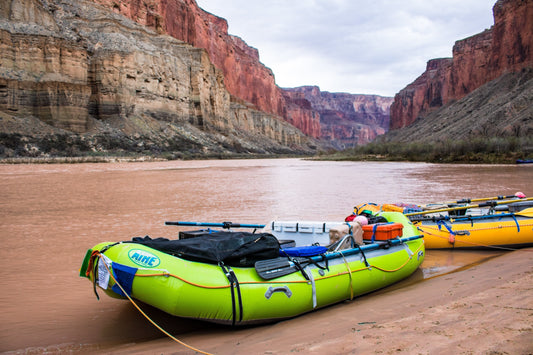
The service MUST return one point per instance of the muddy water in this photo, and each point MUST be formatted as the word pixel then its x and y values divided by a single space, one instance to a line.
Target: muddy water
pixel 50 215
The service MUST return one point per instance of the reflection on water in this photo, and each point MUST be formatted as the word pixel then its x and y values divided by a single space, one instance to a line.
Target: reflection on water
pixel 439 262
pixel 50 215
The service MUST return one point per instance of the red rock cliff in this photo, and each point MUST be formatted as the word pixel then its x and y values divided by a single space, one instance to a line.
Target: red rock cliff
pixel 345 119
pixel 506 47
pixel 244 75
pixel 75 68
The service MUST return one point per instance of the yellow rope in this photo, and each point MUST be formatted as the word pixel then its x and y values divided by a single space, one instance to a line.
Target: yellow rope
pixel 146 316
pixel 402 266
pixel 349 273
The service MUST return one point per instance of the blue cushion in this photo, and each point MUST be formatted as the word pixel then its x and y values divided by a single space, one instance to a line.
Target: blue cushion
pixel 310 250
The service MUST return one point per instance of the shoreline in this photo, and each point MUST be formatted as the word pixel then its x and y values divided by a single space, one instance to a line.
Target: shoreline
pixel 137 159
pixel 147 158
pixel 484 309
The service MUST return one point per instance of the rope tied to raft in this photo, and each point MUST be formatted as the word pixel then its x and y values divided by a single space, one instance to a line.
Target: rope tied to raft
pixel 97 256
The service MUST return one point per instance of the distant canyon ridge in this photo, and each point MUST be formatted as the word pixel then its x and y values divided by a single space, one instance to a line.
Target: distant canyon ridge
pixel 165 75
pixel 503 49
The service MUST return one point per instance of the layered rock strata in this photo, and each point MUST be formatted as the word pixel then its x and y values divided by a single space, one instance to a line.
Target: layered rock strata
pixel 346 120
pixel 505 48
pixel 500 108
pixel 79 67
pixel 245 76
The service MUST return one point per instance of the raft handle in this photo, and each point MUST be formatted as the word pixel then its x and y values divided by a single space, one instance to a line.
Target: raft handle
pixel 284 289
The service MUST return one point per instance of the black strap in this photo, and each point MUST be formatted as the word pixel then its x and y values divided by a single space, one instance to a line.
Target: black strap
pixel 364 256
pixel 238 292
pixel 104 249
pixel 316 263
pixel 95 276
pixel 296 263
pixel 232 278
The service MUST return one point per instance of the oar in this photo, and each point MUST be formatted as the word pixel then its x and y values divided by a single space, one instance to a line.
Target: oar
pixel 272 268
pixel 226 225
pixel 470 200
pixel 528 212
pixel 485 204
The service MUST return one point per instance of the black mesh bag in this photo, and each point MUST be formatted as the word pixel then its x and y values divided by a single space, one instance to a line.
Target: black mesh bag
pixel 232 248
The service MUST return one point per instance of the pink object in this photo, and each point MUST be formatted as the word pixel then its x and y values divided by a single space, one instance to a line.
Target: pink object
pixel 520 195
pixel 361 219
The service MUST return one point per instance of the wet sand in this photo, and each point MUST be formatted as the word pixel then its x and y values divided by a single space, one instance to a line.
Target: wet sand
pixel 484 309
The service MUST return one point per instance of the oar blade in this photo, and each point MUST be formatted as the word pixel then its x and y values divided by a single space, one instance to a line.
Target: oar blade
pixel 528 212
pixel 273 268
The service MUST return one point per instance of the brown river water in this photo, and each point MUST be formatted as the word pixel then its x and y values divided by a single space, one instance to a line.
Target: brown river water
pixel 51 214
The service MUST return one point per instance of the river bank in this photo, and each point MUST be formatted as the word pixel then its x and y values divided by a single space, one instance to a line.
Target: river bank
pixel 479 150
pixel 485 309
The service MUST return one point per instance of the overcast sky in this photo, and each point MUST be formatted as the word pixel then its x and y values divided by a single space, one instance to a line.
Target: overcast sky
pixel 354 46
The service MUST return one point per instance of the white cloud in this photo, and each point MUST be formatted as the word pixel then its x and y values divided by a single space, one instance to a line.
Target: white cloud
pixel 356 46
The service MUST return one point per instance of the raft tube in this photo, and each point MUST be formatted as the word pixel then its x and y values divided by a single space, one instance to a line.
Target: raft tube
pixel 203 291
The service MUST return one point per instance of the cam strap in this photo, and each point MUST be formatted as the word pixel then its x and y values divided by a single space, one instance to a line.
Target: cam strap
pixel 316 263
pixel 234 283
pixel 296 263
pixel 363 254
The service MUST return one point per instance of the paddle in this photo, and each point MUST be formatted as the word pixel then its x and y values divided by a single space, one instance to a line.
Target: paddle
pixel 528 212
pixel 272 268
pixel 225 225
pixel 470 200
pixel 485 204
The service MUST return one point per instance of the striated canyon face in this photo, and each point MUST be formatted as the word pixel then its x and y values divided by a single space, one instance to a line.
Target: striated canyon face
pixel 79 67
pixel 245 77
pixel 506 47
pixel 427 92
pixel 346 120
pixel 159 69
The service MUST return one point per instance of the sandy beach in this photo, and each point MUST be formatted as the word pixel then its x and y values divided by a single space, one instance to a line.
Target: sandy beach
pixel 484 309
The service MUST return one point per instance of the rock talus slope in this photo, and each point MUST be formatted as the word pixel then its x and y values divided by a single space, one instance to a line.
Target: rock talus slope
pixel 78 67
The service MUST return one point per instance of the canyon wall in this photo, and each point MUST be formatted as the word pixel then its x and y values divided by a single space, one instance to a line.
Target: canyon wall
pixel 346 120
pixel 504 48
pixel 79 67
pixel 245 77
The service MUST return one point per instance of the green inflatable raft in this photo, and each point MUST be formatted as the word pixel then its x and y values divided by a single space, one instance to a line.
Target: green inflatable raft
pixel 261 286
